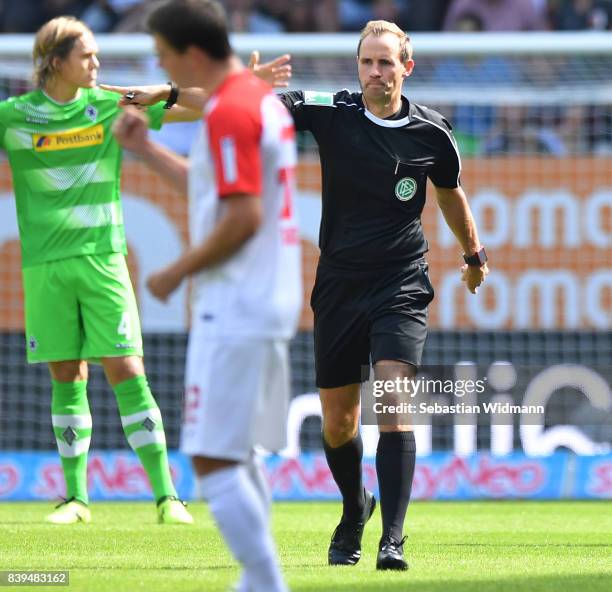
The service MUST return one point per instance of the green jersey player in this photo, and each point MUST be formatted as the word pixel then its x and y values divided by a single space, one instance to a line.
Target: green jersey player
pixel 79 301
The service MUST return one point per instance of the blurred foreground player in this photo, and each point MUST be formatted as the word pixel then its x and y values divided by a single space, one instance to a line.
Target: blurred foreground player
pixel 372 289
pixel 245 263
pixel 79 301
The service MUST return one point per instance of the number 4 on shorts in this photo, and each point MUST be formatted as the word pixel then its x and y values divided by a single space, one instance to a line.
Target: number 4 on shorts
pixel 125 326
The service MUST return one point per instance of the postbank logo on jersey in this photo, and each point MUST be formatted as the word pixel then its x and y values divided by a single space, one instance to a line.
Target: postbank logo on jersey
pixel 405 189
pixel 79 138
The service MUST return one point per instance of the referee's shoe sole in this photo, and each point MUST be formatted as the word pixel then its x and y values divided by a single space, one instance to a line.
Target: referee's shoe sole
pixel 345 546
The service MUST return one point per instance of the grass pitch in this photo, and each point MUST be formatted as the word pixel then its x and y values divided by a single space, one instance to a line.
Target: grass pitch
pixel 452 547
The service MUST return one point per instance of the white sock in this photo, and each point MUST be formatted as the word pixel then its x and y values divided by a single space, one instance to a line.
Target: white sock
pixel 243 584
pixel 256 473
pixel 255 470
pixel 239 514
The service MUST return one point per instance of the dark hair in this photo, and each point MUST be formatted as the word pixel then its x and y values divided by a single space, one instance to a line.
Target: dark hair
pixel 183 23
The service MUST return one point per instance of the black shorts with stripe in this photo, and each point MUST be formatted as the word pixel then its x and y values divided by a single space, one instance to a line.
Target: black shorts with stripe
pixel 365 318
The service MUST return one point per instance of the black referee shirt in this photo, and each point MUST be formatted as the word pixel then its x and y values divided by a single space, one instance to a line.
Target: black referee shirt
pixel 374 173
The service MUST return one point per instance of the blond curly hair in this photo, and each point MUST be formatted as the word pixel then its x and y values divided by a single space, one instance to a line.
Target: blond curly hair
pixel 54 39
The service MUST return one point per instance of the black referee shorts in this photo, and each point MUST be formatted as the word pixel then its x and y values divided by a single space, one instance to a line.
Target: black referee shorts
pixel 358 319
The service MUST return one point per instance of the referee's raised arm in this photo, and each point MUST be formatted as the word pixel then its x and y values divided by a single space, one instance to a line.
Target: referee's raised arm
pixel 276 72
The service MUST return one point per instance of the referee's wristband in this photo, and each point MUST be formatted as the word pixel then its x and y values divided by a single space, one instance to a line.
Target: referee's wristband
pixel 173 96
pixel 478 259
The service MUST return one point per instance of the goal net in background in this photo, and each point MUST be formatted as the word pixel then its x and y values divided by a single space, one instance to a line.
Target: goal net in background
pixel 532 114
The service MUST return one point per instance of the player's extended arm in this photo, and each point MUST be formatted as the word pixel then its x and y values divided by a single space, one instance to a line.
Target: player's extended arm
pixel 132 132
pixel 242 217
pixel 458 216
pixel 189 106
pixel 276 73
pixel 177 114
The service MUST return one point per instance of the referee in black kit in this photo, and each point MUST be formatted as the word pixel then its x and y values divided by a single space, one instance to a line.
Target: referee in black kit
pixel 372 289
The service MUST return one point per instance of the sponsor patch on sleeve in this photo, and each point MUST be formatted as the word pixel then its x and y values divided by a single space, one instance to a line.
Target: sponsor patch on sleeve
pixel 321 99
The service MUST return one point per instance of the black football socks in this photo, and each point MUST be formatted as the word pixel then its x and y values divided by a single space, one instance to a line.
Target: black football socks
pixel 345 465
pixel 395 458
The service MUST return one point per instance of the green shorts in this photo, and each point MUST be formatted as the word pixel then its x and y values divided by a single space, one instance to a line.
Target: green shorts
pixel 81 308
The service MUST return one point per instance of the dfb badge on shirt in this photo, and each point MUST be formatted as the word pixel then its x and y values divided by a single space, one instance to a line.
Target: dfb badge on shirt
pixel 405 189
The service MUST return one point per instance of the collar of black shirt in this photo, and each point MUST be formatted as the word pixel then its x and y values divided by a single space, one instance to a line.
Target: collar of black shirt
pixel 403 110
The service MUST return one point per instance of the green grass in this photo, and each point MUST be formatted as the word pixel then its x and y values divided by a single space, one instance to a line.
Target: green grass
pixel 452 547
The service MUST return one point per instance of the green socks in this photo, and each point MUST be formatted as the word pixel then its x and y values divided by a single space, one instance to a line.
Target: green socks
pixel 142 424
pixel 72 427
pixel 143 427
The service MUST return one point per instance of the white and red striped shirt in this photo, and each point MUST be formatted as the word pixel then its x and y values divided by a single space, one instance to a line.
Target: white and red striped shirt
pixel 247 146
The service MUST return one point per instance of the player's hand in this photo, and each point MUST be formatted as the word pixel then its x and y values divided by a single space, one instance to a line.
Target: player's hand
pixel 162 283
pixel 139 95
pixel 131 129
pixel 473 276
pixel 276 72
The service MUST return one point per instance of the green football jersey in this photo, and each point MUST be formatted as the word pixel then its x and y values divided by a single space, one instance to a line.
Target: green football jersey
pixel 66 167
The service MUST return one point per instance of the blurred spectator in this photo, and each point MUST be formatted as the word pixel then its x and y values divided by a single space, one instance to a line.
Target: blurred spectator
pixel 277 16
pixel 299 17
pixel 389 10
pixel 468 22
pixel 542 71
pixel 542 130
pixel 573 129
pixel 472 123
pixel 325 15
pixel 311 15
pixel 599 129
pixel 354 14
pixel 252 16
pixel 497 15
pixel 429 15
pixel 520 130
pixel 575 15
pixel 506 136
pixel 27 16
pixel 238 14
pixel 267 16
pixel 103 16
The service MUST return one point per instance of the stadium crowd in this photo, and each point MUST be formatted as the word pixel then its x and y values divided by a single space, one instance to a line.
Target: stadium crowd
pixel 486 130
pixel 274 16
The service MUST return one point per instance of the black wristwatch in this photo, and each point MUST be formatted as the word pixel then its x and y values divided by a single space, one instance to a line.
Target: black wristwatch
pixel 173 96
pixel 478 259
